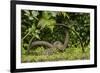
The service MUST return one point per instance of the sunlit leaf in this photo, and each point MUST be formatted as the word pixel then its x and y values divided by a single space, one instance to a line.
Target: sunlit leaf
pixel 46 15
pixel 54 14
pixel 48 23
pixel 27 13
pixel 35 13
pixel 37 36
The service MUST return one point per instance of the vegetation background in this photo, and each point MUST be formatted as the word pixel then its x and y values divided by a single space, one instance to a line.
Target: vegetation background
pixel 41 25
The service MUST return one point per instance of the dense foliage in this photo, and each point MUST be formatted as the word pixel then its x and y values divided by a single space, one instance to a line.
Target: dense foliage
pixel 41 25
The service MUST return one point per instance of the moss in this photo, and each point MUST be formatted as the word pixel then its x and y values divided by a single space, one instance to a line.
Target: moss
pixel 68 54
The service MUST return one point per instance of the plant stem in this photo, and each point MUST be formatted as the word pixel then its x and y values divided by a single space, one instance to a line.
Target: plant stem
pixel 25 36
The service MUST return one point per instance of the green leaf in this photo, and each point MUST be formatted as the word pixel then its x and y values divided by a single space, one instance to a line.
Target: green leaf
pixel 33 27
pixel 37 36
pixel 35 13
pixel 47 23
pixel 42 23
pixel 27 13
pixel 53 13
pixel 37 31
pixel 46 15
pixel 52 23
pixel 29 29
pixel 65 15
pixel 51 28
pixel 23 50
pixel 31 18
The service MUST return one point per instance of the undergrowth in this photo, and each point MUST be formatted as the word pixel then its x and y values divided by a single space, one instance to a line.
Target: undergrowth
pixel 40 55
